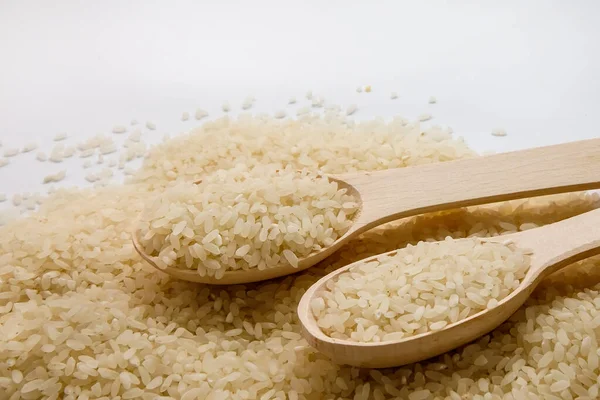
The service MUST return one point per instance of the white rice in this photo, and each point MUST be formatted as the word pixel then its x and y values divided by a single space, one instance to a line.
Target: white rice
pixel 264 217
pixel 11 152
pixel 279 114
pixel 185 116
pixel 419 289
pixel 151 125
pixel 58 153
pixel 424 117
pixel 226 107
pixel 57 177
pixel 369 145
pixel 499 132
pixel 292 100
pixel 75 298
pixel 87 153
pixel 91 177
pixel 41 156
pixel 4 162
pixel 432 100
pixel 351 109
pixel 29 147
pixel 118 129
pixel 108 148
pixel 393 95
pixel 69 151
pixel 200 114
pixel 60 136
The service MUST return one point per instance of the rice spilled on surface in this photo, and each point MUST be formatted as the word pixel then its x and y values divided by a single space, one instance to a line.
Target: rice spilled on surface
pixel 419 289
pixel 241 218
pixel 82 316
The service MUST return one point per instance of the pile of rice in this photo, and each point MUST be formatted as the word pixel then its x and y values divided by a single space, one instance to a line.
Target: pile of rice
pixel 245 218
pixel 418 289
pixel 83 317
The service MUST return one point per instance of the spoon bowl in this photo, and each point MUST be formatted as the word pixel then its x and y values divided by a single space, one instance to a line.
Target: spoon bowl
pixel 392 194
pixel 255 275
pixel 553 246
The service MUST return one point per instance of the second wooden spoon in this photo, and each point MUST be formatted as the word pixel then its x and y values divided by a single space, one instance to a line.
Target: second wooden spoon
pixel 553 246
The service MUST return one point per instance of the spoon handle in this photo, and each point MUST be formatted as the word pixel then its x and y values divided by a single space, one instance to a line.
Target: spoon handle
pixel 396 193
pixel 560 244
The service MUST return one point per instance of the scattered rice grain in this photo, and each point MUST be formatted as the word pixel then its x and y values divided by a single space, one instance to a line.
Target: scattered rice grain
pixel 119 129
pixel 57 177
pixel 11 152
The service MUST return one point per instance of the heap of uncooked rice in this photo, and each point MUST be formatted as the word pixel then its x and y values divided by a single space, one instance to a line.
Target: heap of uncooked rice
pixel 83 317
pixel 418 289
pixel 331 145
pixel 245 218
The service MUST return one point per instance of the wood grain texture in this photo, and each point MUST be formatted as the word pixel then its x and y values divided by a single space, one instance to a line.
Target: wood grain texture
pixel 554 246
pixel 403 192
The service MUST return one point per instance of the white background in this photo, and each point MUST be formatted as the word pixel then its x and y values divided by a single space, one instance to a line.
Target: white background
pixel 530 67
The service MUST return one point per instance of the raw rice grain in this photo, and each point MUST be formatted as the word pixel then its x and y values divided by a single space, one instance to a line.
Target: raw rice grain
pixel 262 213
pixel 118 129
pixel 29 147
pixel 200 114
pixel 419 289
pixel 11 152
pixel 60 136
pixel 57 177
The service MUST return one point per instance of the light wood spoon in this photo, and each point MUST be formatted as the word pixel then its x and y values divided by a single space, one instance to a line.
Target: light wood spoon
pixel 403 192
pixel 554 246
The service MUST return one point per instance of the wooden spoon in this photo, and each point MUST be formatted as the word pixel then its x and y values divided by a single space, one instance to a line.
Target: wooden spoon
pixel 403 192
pixel 554 246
